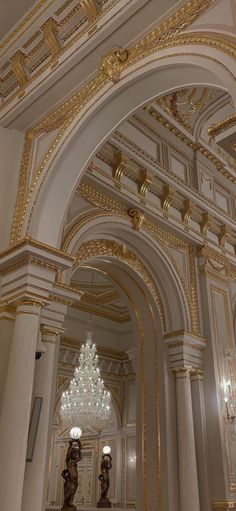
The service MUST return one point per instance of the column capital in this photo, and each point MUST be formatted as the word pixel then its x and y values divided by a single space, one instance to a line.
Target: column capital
pixel 50 333
pixel 182 373
pixel 197 374
pixel 189 373
pixel 31 302
pixel 185 350
pixel 49 330
pixel 29 306
pixel 31 268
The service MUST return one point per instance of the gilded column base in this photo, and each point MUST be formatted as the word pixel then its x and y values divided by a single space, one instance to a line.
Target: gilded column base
pixel 224 505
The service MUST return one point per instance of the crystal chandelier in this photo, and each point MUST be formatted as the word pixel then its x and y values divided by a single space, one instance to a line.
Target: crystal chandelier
pixel 87 402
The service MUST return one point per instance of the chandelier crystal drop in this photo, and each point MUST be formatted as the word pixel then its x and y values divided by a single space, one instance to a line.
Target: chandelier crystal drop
pixel 87 403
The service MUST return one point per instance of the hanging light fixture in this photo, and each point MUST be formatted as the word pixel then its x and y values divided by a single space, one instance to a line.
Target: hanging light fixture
pixel 87 402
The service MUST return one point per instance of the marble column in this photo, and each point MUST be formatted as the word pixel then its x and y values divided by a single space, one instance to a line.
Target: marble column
pixel 36 474
pixel 199 417
pixel 188 479
pixel 16 406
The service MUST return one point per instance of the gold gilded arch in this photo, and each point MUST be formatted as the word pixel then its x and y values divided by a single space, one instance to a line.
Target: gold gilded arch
pixel 115 209
pixel 166 35
pixel 100 247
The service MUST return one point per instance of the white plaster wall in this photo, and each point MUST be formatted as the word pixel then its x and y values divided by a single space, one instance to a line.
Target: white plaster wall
pixel 11 146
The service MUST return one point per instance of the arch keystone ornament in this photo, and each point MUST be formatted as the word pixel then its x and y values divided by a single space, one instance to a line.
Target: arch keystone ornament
pixel 137 218
pixel 112 63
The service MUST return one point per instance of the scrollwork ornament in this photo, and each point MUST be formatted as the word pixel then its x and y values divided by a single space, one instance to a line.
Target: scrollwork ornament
pixel 112 63
pixel 137 218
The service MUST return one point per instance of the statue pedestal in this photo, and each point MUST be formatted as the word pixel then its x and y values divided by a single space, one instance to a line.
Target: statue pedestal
pixel 105 503
pixel 73 508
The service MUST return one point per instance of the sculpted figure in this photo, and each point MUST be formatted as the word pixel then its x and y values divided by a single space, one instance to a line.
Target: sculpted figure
pixel 106 465
pixel 70 473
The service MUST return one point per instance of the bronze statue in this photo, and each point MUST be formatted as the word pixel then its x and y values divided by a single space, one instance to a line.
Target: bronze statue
pixel 106 465
pixel 70 473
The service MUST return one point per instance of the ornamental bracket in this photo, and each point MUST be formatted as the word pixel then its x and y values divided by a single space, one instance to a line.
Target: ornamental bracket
pixel 18 67
pixel 50 34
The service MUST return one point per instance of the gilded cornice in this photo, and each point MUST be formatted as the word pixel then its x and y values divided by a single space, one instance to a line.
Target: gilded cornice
pixel 71 342
pixel 190 143
pixel 216 263
pixel 107 247
pixel 102 312
pixel 181 203
pixel 51 43
pixel 205 39
pixel 222 126
pixel 30 242
pixel 167 240
pixel 63 116
pixel 105 203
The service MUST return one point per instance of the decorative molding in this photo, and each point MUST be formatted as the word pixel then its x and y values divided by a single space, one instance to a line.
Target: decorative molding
pixel 30 242
pixel 144 185
pixel 190 143
pixel 167 239
pixel 187 211
pixel 71 342
pixel 119 170
pixel 184 103
pixel 90 8
pixel 112 63
pixel 206 223
pixel 185 351
pixel 215 262
pixel 22 25
pixel 224 235
pixel 167 199
pixel 97 248
pixel 67 27
pixel 222 126
pixel 18 67
pixel 137 218
pixel 50 34
pixel 103 313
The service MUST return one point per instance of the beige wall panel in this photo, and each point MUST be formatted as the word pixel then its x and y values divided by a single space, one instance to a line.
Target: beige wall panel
pixel 130 469
pixel 131 403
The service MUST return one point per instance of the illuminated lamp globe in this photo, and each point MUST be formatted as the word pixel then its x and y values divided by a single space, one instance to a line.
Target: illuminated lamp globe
pixel 75 433
pixel 106 449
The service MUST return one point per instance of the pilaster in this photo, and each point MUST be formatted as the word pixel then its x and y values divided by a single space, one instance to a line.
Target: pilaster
pixel 216 273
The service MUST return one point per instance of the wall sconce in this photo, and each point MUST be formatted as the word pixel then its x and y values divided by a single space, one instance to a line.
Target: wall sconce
pixel 132 459
pixel 228 400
